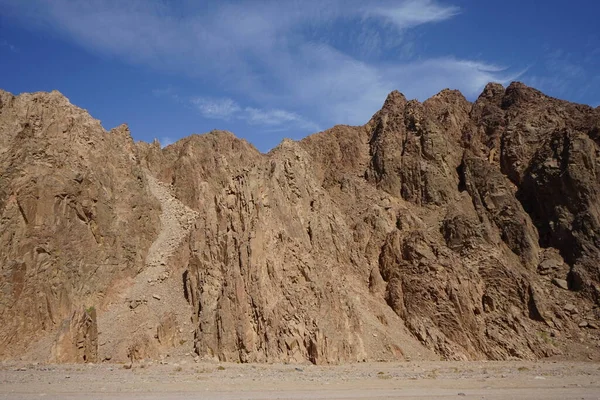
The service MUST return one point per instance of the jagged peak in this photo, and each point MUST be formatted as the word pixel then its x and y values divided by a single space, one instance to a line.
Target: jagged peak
pixel 214 135
pixel 447 92
pixel 52 96
pixel 520 87
pixel 286 145
pixel 518 92
pixel 121 128
pixel 123 133
pixel 218 140
pixel 448 96
pixel 395 103
pixel 491 90
pixel 516 85
pixel 394 98
pixel 5 97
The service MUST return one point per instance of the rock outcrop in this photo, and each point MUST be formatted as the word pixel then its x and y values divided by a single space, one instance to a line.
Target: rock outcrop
pixel 439 229
pixel 77 339
pixel 76 217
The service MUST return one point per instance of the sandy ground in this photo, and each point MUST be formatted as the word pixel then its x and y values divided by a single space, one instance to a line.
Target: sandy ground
pixel 416 380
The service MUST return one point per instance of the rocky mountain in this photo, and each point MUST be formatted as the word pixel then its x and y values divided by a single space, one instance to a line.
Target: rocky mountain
pixel 438 229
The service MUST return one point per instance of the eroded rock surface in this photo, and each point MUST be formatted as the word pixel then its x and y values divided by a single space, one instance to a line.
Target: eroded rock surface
pixel 439 229
pixel 77 339
pixel 75 217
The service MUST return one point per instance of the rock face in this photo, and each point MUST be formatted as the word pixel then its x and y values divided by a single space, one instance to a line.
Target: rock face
pixel 439 229
pixel 76 221
pixel 77 339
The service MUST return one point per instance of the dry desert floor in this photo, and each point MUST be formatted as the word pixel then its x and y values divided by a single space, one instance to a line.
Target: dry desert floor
pixel 409 380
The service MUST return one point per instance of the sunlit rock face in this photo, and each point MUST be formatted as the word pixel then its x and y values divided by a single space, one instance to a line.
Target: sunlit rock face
pixel 439 229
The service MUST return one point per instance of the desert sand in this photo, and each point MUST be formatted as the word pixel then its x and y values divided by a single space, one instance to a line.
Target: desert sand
pixel 415 380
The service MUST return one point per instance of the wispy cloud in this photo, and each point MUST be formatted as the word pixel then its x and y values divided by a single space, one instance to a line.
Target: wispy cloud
pixel 561 63
pixel 415 12
pixel 276 119
pixel 216 108
pixel 280 57
pixel 354 90
pixel 227 109
pixel 270 117
pixel 5 44
pixel 567 75
pixel 169 91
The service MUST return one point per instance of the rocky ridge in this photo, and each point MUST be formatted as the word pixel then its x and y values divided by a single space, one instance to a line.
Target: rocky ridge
pixel 439 229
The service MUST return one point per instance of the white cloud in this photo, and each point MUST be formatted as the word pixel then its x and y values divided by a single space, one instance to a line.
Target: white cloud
pixel 277 119
pixel 228 109
pixel 261 52
pixel 216 108
pixel 270 117
pixel 415 12
pixel 354 90
pixel 165 141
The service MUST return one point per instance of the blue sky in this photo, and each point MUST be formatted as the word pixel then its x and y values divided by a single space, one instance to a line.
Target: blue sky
pixel 266 70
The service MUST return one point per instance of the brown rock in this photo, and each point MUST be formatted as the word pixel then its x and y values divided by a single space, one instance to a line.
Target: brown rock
pixel 167 332
pixel 561 283
pixel 433 230
pixel 76 221
pixel 570 308
pixel 77 339
pixel 547 267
